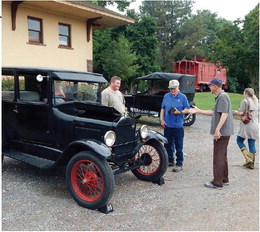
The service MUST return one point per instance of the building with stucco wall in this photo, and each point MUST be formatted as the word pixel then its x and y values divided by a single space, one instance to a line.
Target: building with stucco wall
pixel 54 34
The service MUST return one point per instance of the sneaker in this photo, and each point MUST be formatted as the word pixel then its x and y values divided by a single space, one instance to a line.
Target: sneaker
pixel 170 164
pixel 210 185
pixel 177 169
pixel 226 183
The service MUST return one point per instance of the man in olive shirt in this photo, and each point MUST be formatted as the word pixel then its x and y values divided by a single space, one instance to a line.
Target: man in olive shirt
pixel 111 96
pixel 221 128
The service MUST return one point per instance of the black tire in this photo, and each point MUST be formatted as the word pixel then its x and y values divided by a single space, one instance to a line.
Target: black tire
pixel 155 158
pixel 189 119
pixel 90 180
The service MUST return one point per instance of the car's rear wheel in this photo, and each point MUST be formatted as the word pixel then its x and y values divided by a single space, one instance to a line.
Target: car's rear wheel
pixel 154 157
pixel 90 180
pixel 189 119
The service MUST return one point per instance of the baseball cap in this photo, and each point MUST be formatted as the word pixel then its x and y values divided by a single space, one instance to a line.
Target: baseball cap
pixel 173 84
pixel 216 81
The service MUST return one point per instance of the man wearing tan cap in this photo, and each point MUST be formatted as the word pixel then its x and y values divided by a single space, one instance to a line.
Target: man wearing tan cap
pixel 174 105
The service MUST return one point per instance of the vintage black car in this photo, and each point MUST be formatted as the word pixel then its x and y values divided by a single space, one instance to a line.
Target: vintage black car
pixel 54 117
pixel 150 91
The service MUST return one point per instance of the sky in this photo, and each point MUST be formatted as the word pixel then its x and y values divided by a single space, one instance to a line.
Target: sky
pixel 228 9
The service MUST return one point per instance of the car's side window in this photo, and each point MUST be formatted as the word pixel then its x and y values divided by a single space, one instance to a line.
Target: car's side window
pixel 8 87
pixel 75 91
pixel 28 89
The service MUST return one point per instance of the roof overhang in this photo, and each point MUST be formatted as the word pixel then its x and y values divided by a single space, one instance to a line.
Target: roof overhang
pixel 83 10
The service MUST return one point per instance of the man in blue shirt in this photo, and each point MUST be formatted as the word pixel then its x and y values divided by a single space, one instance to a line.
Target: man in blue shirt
pixel 174 105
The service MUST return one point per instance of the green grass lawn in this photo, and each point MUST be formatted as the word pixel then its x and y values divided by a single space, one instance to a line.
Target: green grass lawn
pixel 205 100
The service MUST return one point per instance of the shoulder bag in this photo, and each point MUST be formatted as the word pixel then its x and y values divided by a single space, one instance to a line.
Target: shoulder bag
pixel 246 116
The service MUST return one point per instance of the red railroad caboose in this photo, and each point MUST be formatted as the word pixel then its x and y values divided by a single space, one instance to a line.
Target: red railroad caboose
pixel 204 71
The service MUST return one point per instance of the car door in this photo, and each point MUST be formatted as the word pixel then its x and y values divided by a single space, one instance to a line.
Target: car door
pixel 8 108
pixel 32 112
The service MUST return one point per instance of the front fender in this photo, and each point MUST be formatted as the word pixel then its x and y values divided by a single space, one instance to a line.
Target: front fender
pixel 89 145
pixel 156 135
pixel 152 135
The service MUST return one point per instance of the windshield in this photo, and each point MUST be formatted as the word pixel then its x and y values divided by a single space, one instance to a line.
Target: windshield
pixel 65 91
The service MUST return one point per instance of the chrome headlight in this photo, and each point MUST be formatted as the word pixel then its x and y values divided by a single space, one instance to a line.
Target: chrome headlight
pixel 143 131
pixel 110 138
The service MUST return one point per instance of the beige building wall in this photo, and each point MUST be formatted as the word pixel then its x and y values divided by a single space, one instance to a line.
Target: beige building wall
pixel 16 51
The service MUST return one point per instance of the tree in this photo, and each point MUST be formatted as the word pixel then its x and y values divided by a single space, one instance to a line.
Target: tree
pixel 251 45
pixel 118 60
pixel 144 43
pixel 238 50
pixel 196 34
pixel 169 16
pixel 121 5
pixel 229 51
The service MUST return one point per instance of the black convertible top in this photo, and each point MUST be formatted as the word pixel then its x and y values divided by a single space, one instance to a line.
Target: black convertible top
pixel 164 76
pixel 187 82
pixel 61 74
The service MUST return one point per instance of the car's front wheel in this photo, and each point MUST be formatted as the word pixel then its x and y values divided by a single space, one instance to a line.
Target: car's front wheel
pixel 153 156
pixel 90 180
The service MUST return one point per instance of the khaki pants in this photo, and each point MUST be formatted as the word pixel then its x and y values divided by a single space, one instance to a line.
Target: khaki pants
pixel 220 163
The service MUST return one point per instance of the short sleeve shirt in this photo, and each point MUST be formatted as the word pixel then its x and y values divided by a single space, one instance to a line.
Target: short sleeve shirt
pixel 179 101
pixel 222 105
pixel 113 99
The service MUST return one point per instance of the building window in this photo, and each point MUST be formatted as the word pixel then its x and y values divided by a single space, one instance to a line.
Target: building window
pixel 64 35
pixel 35 30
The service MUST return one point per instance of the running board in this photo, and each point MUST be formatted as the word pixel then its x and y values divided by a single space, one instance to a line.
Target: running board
pixel 148 113
pixel 29 159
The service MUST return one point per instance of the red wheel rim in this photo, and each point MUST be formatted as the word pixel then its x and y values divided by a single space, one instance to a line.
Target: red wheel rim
pixel 153 160
pixel 87 180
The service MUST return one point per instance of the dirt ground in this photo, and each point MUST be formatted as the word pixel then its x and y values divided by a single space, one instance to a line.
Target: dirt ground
pixel 35 200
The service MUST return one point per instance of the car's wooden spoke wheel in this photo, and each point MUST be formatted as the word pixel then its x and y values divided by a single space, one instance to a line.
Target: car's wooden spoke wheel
pixel 87 180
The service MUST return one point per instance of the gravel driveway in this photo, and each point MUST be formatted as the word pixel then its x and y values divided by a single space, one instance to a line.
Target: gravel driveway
pixel 39 200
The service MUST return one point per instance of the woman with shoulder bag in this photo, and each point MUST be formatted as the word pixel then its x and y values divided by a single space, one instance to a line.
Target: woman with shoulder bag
pixel 248 128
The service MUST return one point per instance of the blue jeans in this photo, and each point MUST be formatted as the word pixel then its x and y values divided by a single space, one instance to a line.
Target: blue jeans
pixel 251 144
pixel 175 142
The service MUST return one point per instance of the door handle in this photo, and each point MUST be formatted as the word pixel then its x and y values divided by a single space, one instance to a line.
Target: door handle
pixel 15 110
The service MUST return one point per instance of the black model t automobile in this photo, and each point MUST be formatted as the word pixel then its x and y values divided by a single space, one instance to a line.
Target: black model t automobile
pixel 150 92
pixel 54 117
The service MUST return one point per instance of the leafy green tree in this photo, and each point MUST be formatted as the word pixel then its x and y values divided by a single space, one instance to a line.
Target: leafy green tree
pixel 101 41
pixel 144 43
pixel 229 51
pixel 169 16
pixel 196 34
pixel 118 60
pixel 251 46
pixel 121 5
pixel 238 50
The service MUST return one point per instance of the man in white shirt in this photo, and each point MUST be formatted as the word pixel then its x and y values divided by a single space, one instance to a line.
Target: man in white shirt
pixel 111 96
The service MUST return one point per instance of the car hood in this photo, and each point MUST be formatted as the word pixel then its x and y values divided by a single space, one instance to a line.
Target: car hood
pixel 90 110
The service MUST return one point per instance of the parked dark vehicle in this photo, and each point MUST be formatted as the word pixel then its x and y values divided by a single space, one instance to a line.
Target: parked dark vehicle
pixel 151 90
pixel 54 117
